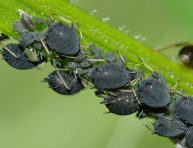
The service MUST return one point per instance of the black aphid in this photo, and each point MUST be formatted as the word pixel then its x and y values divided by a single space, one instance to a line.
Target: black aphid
pixel 97 52
pixel 186 55
pixel 19 28
pixel 110 57
pixel 26 20
pixel 189 137
pixel 85 64
pixel 123 103
pixel 27 39
pixel 63 39
pixel 14 55
pixel 64 83
pixel 3 36
pixel 183 108
pixel 110 76
pixel 169 127
pixel 153 91
pixel 81 56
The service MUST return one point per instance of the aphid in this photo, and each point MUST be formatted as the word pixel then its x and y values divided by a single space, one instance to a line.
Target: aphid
pixel 169 127
pixel 183 109
pixel 189 137
pixel 63 39
pixel 123 103
pixel 72 65
pixel 153 91
pixel 27 39
pixel 31 54
pixel 97 52
pixel 134 74
pixel 19 28
pixel 185 54
pixel 85 64
pixel 64 83
pixel 110 57
pixel 3 37
pixel 26 20
pixel 110 76
pixel 81 56
pixel 15 57
pixel 79 71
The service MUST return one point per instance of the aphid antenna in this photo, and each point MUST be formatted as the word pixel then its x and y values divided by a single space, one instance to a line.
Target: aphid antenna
pixel 174 45
pixel 96 60
pixel 135 95
pixel 44 45
pixel 112 93
pixel 141 112
pixel 63 81
pixel 153 132
pixel 77 28
pixel 12 53
pixel 86 81
pixel 145 64
pixel 108 112
pixel 122 58
pixel 126 90
pixel 135 81
pixel 62 18
pixel 70 57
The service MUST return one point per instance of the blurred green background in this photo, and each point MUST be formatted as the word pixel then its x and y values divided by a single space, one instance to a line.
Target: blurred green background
pixel 33 116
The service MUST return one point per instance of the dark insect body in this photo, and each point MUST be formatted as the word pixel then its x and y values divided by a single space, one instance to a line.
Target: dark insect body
pixel 123 103
pixel 153 92
pixel 110 57
pixel 186 55
pixel 63 39
pixel 110 76
pixel 19 28
pixel 27 39
pixel 97 52
pixel 64 83
pixel 183 109
pixel 14 55
pixel 189 137
pixel 26 20
pixel 169 127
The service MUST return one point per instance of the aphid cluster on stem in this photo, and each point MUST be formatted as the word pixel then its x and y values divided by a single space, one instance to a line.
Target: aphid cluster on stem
pixel 124 90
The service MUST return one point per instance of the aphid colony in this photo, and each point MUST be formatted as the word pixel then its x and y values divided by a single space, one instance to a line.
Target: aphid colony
pixel 124 90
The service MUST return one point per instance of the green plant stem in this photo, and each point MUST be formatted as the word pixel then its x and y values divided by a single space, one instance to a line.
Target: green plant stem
pixel 104 36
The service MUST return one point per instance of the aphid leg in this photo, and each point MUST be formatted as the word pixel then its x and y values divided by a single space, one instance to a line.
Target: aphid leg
pixel 145 125
pixel 174 45
pixel 135 81
pixel 96 60
pixel 145 64
pixel 77 28
pixel 12 53
pixel 141 112
pixel 107 112
pixel 62 18
pixel 87 82
pixel 126 90
pixel 63 81
pixel 44 45
pixel 136 96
